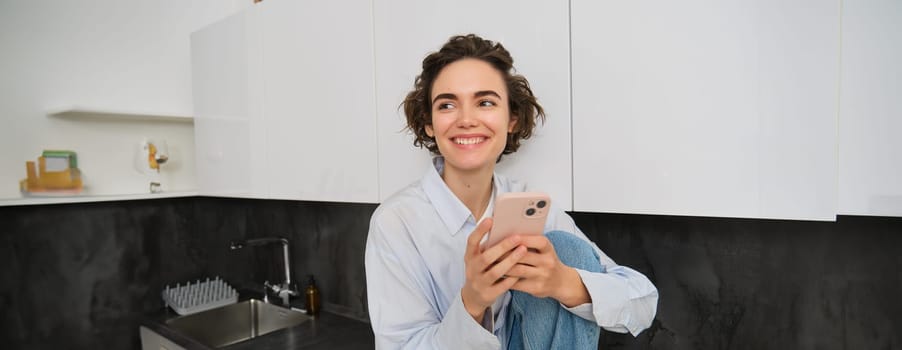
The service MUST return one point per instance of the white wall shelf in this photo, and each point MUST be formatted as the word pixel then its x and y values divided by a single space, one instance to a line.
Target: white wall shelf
pixel 92 112
pixel 92 198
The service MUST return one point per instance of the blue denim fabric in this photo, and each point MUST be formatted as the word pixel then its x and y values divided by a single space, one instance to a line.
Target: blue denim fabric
pixel 542 323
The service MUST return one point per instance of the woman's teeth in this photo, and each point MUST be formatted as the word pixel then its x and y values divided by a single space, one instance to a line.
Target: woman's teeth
pixel 468 140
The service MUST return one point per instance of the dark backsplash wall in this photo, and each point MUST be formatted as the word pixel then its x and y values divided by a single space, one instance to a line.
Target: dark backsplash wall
pixel 761 284
pixel 80 276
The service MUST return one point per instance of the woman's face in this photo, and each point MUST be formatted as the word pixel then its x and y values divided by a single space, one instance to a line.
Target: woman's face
pixel 470 115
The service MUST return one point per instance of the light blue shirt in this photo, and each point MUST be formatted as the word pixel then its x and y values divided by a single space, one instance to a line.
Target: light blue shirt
pixel 415 270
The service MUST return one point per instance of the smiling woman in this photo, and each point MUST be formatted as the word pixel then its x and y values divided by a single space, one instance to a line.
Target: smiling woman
pixel 430 282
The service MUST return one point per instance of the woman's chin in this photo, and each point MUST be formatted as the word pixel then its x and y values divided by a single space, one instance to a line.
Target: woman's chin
pixel 470 165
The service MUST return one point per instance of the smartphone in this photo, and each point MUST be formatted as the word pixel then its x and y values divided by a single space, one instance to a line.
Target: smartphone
pixel 518 213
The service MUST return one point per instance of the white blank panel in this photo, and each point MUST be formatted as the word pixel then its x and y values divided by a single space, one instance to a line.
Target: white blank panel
pixel 536 34
pixel 228 111
pixel 320 100
pixel 870 119
pixel 705 108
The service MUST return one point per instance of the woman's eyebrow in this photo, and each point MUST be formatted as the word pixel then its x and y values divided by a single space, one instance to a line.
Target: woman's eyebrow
pixel 446 95
pixel 486 93
pixel 476 94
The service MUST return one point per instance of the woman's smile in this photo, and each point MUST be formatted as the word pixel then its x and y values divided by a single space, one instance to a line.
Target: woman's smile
pixel 468 140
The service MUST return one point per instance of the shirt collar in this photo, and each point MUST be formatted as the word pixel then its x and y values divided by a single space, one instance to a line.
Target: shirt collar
pixel 452 211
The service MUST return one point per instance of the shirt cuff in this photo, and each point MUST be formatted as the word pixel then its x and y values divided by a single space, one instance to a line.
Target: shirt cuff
pixel 466 330
pixel 609 299
pixel 582 310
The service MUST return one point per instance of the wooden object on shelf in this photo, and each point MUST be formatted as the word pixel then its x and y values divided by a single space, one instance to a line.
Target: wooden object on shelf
pixel 57 174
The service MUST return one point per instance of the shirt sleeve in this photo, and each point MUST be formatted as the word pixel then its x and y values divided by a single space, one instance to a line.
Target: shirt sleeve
pixel 623 299
pixel 402 312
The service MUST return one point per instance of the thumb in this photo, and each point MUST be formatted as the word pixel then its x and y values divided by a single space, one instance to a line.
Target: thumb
pixel 478 233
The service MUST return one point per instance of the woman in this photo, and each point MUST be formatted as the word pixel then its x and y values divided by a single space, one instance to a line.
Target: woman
pixel 430 285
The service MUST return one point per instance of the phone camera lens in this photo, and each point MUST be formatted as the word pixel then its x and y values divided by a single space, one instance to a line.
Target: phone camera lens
pixel 541 204
pixel 530 212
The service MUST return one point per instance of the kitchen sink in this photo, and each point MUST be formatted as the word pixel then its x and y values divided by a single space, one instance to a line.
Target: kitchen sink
pixel 234 323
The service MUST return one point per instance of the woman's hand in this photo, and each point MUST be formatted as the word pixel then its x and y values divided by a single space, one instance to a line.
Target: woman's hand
pixel 486 270
pixel 541 274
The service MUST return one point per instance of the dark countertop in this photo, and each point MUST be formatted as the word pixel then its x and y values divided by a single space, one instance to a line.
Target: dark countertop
pixel 326 331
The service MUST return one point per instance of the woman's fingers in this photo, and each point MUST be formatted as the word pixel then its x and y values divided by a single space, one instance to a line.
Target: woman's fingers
pixel 541 251
pixel 497 252
pixel 485 269
pixel 523 271
pixel 500 269
pixel 539 243
pixel 475 237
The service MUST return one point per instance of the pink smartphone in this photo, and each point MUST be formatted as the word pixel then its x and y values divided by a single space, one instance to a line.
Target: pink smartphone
pixel 518 213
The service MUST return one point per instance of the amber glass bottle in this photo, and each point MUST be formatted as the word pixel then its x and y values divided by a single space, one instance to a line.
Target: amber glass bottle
pixel 312 297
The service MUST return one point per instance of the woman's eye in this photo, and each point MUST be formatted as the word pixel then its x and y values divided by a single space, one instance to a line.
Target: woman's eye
pixel 445 105
pixel 486 103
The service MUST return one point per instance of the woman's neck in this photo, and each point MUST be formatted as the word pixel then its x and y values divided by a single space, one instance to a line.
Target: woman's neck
pixel 474 188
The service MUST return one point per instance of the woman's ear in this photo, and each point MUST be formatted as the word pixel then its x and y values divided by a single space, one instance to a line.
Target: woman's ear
pixel 429 131
pixel 512 125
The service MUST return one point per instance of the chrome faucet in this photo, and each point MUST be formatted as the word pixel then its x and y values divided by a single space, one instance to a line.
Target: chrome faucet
pixel 283 290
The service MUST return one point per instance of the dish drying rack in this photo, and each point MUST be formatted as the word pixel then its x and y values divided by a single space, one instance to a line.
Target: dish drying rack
pixel 199 296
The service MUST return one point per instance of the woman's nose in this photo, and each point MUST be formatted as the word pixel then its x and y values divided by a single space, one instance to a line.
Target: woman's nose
pixel 466 117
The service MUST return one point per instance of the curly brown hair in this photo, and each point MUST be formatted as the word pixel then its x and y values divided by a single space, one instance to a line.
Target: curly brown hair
pixel 522 103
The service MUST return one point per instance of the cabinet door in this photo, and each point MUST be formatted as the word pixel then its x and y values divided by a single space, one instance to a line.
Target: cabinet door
pixel 706 107
pixel 870 112
pixel 320 100
pixel 536 34
pixel 228 125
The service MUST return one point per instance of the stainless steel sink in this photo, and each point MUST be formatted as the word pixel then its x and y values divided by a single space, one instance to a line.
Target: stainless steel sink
pixel 234 323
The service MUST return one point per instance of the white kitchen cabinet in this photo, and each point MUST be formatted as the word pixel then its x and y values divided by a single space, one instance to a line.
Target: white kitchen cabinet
pixel 284 99
pixel 229 129
pixel 320 100
pixel 98 77
pixel 706 108
pixel 536 34
pixel 870 109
